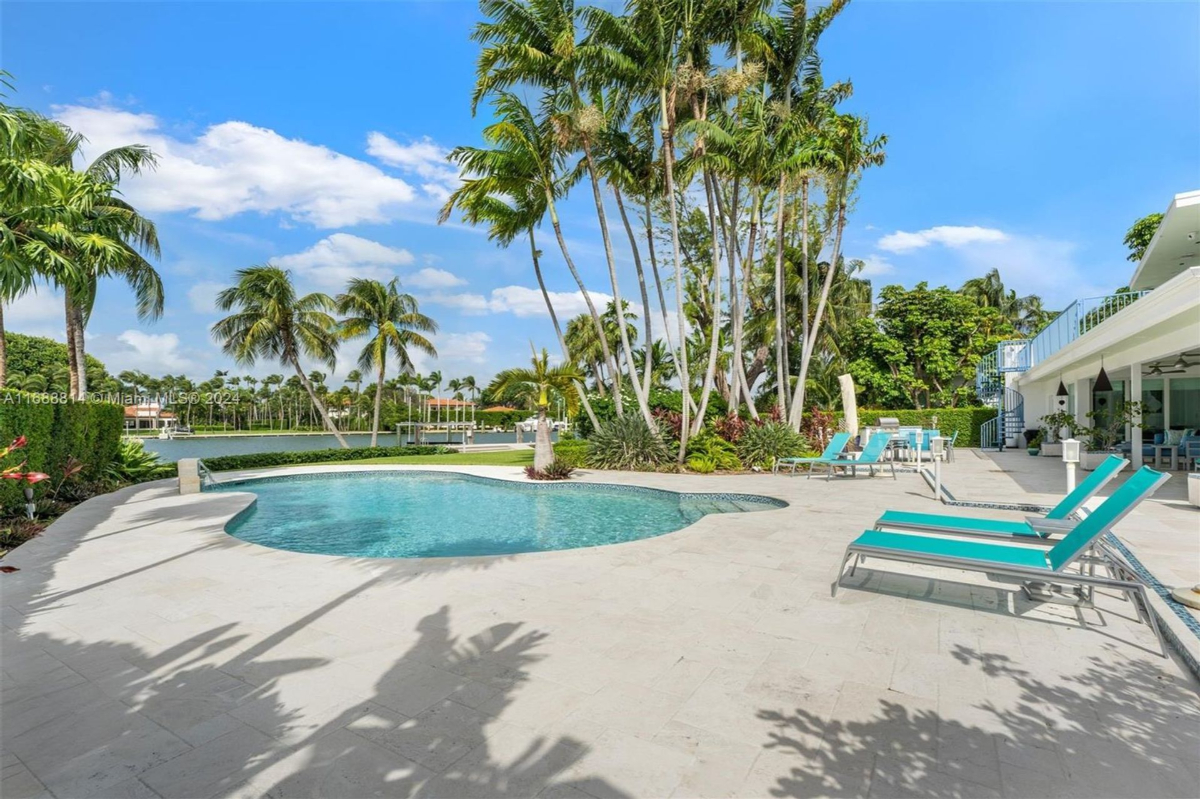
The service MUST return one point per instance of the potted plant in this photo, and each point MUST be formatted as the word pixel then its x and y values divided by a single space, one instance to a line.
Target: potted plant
pixel 1107 431
pixel 1056 427
pixel 1034 445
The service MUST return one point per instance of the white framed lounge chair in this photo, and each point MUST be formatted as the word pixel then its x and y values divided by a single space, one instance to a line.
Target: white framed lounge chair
pixel 1023 562
pixel 1058 521
pixel 832 450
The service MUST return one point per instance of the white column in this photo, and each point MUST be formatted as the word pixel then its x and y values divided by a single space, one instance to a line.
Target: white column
pixel 1135 430
pixel 1083 401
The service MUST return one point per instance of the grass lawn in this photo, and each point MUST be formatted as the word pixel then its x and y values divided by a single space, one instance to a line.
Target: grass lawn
pixel 517 457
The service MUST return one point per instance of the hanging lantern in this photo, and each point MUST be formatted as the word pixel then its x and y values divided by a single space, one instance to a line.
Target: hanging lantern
pixel 1102 381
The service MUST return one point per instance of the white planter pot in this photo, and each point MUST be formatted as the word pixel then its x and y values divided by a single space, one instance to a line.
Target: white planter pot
pixel 1193 481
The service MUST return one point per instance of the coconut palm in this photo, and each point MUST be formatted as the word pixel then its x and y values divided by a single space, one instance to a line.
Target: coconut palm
pixel 538 386
pixel 269 320
pixel 113 238
pixel 392 321
pixel 510 187
pixel 535 42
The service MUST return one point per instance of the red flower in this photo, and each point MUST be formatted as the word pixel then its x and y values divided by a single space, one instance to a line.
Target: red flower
pixel 36 477
pixel 18 443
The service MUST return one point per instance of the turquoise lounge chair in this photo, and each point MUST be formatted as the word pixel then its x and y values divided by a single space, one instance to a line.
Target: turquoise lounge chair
pixel 871 456
pixel 1027 563
pixel 1058 520
pixel 832 450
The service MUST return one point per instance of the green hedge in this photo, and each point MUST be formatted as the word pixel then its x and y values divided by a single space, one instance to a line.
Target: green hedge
pixel 964 421
pixel 572 452
pixel 56 431
pixel 258 460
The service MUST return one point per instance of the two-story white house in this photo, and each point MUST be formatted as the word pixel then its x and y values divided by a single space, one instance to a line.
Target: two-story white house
pixel 1147 341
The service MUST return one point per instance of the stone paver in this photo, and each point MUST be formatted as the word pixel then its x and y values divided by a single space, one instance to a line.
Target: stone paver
pixel 146 653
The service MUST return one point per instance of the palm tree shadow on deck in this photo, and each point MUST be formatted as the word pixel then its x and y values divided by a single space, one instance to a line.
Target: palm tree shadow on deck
pixel 1115 727
pixel 237 710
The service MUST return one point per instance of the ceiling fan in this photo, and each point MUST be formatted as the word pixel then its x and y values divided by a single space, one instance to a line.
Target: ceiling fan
pixel 1180 364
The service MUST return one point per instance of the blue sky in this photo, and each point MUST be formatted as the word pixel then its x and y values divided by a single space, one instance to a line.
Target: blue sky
pixel 1025 136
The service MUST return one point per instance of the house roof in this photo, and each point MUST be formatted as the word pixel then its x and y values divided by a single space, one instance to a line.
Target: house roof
pixel 499 408
pixel 147 412
pixel 1175 245
pixel 447 402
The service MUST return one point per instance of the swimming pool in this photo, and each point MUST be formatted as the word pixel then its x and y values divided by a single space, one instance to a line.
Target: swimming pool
pixel 416 514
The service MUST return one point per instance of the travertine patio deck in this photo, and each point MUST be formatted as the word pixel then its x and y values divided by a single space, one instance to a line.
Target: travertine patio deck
pixel 145 652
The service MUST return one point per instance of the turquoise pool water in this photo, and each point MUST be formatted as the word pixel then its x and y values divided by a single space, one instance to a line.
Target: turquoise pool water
pixel 402 514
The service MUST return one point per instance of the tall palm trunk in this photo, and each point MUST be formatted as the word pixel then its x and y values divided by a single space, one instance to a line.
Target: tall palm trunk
pixel 662 300
pixel 543 450
pixel 587 298
pixel 715 340
pixel 562 343
pixel 647 333
pixel 810 343
pixel 378 402
pixel 681 364
pixel 72 353
pixel 781 368
pixel 80 354
pixel 623 331
pixel 316 403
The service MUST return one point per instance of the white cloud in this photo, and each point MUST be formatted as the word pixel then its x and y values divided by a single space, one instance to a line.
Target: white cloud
pixel 430 278
pixel 876 265
pixel 153 353
pixel 234 167
pixel 457 353
pixel 333 261
pixel 521 301
pixel 954 236
pixel 37 313
pixel 202 296
pixel 424 158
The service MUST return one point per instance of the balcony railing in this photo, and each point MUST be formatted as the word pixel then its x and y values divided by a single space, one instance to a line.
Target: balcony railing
pixel 1078 318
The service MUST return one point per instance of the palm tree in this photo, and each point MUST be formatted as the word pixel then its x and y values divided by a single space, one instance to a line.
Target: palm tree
pixel 392 321
pixel 537 386
pixel 851 151
pixel 535 43
pixel 472 388
pixel 355 376
pixel 117 236
pixel 512 185
pixel 271 321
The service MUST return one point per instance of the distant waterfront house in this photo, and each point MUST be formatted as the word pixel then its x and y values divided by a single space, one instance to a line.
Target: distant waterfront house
pixel 148 416
pixel 1147 339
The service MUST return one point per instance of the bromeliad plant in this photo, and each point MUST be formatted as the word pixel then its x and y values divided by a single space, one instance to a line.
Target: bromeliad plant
pixel 18 472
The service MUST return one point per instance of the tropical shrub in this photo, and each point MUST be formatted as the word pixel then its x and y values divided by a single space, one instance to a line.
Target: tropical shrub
pixel 709 453
pixel 626 443
pixel 762 444
pixel 818 426
pixel 17 530
pixel 730 427
pixel 572 452
pixel 556 470
pixel 133 463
